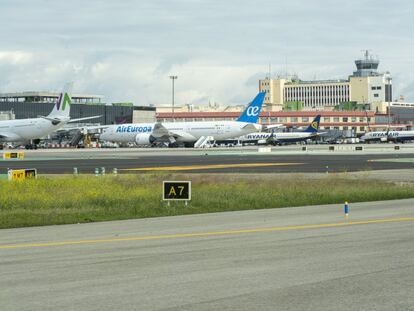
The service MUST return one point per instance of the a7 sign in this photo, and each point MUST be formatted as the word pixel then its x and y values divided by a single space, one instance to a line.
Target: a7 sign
pixel 176 190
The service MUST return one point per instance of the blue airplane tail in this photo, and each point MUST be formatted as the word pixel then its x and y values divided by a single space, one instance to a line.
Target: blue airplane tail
pixel 252 112
pixel 314 126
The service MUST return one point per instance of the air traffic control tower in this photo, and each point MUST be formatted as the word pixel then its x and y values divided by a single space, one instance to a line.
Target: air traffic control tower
pixel 369 85
pixel 367 66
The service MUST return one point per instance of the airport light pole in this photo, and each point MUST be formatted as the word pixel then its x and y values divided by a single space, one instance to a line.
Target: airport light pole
pixel 389 101
pixel 173 78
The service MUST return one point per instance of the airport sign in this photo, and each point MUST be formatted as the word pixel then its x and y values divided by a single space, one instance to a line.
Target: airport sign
pixel 13 155
pixel 22 174
pixel 176 190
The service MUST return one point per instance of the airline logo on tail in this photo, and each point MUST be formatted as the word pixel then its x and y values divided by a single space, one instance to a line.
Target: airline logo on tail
pixel 65 102
pixel 62 107
pixel 314 126
pixel 252 112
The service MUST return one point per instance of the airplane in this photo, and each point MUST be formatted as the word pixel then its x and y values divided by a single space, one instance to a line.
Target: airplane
pixel 189 134
pixel 274 138
pixel 384 136
pixel 29 131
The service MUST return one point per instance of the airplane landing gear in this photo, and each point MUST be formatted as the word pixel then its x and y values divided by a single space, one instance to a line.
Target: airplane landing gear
pixel 30 146
pixel 173 145
pixel 33 144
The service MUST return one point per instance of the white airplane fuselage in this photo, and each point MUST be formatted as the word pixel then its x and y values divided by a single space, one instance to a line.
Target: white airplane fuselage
pixel 24 130
pixel 189 131
pixel 277 137
pixel 391 136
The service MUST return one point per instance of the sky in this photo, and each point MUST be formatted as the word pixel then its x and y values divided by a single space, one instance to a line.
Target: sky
pixel 126 50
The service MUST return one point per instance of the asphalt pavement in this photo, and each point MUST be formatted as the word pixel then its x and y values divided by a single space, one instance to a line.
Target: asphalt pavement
pixel 217 161
pixel 304 258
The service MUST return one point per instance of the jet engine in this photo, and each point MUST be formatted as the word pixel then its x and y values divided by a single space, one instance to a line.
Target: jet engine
pixel 144 139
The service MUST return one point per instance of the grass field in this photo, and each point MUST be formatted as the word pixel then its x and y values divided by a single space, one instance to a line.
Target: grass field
pixel 79 199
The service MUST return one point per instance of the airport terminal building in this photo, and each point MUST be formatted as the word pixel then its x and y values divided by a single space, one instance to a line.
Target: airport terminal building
pixel 32 104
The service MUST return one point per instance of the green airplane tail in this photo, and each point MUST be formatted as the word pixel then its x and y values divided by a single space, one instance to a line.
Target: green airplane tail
pixel 62 107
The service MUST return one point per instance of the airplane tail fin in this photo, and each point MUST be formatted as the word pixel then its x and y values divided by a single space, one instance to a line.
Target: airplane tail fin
pixel 62 107
pixel 314 126
pixel 252 112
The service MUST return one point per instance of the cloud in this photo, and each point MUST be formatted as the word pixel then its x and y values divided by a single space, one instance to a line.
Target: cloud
pixel 126 50
pixel 14 58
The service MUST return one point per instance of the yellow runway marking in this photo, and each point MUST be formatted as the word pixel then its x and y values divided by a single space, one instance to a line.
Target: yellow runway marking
pixel 206 234
pixel 206 167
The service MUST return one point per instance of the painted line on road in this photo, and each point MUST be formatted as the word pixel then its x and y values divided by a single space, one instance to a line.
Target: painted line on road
pixel 399 160
pixel 207 167
pixel 206 234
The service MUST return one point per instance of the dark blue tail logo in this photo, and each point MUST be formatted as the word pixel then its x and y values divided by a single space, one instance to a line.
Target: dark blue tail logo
pixel 314 126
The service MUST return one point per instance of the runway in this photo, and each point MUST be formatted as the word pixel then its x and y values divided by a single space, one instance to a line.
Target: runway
pixel 209 161
pixel 304 258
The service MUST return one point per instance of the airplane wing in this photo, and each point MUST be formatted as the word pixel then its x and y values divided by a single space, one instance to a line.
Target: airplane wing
pixel 391 126
pixel 55 121
pixel 160 132
pixel 182 134
pixel 92 127
pixel 252 126
pixel 82 119
pixel 272 126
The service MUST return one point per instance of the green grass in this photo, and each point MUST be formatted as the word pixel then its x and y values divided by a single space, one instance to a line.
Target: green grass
pixel 65 200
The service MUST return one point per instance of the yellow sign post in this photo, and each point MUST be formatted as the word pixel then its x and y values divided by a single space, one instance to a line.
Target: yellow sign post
pixel 13 155
pixel 22 174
